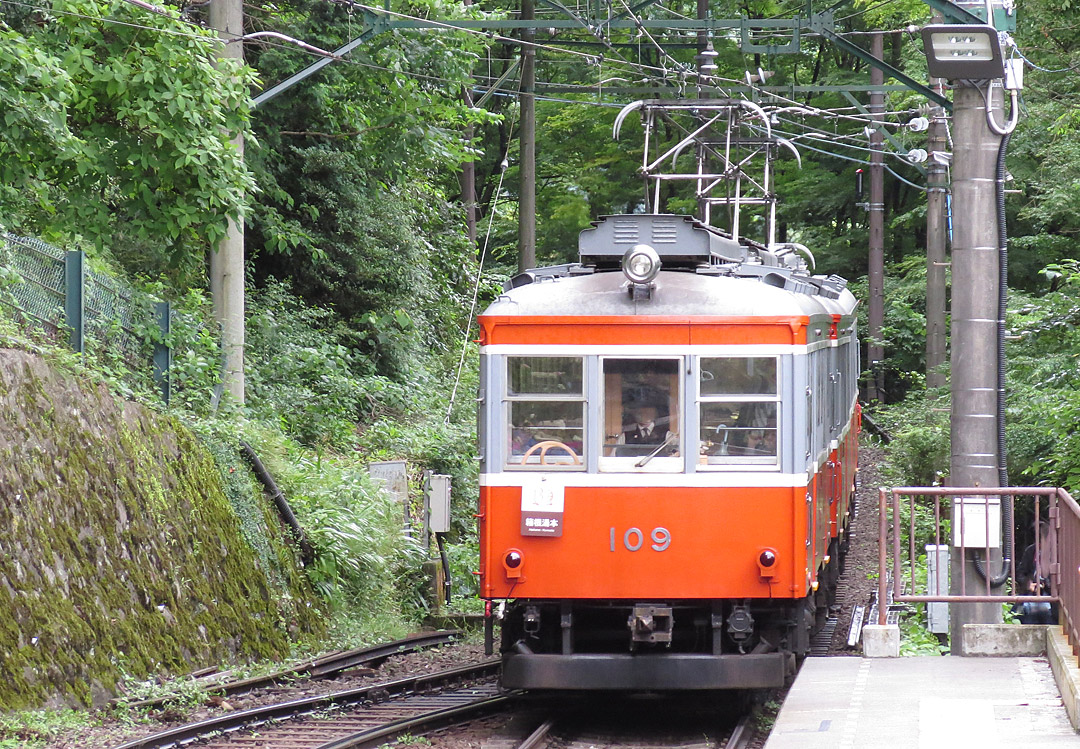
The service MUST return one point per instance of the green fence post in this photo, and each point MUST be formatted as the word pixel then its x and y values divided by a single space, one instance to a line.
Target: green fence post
pixel 162 352
pixel 74 297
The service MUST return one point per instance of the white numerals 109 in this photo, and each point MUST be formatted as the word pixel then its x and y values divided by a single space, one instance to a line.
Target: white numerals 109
pixel 634 539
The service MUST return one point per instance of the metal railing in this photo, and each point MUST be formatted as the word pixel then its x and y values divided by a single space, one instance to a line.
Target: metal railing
pixel 973 524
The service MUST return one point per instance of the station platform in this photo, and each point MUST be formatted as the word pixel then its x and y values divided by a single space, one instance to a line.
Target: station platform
pixel 922 702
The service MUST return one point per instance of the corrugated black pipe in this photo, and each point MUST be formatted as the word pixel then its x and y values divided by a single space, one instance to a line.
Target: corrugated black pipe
pixel 1003 296
pixel 307 553
pixel 447 581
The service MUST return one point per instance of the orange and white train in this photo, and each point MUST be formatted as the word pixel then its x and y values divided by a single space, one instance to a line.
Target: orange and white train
pixel 668 442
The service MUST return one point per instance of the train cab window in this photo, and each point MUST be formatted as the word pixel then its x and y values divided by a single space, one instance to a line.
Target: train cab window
pixel 545 403
pixel 641 402
pixel 738 411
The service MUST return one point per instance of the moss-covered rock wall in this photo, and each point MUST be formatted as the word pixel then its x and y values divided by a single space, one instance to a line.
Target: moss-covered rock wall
pixel 119 551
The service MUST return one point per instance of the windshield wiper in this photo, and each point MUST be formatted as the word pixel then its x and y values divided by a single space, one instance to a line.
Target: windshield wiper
pixel 671 438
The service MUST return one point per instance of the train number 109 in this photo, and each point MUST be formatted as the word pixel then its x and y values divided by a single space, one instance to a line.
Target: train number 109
pixel 634 539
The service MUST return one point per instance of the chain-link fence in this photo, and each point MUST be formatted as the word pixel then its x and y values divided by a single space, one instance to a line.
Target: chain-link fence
pixel 51 292
pixel 38 301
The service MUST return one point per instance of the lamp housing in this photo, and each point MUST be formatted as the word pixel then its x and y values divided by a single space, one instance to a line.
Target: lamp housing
pixel 958 51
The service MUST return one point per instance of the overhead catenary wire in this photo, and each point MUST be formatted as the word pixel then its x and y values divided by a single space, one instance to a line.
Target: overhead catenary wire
pixel 648 70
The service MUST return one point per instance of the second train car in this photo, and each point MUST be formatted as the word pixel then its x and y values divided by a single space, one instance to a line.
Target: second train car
pixel 668 447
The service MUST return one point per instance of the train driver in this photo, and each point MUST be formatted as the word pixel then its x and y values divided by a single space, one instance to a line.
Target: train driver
pixel 645 433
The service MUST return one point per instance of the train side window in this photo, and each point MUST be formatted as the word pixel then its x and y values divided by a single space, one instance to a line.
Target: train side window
pixel 642 416
pixel 738 402
pixel 545 412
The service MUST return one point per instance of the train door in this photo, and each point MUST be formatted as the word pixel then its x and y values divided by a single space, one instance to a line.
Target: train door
pixel 642 415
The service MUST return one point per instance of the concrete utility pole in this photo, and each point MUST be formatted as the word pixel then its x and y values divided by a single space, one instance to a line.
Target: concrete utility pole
pixel 527 146
pixel 936 240
pixel 875 353
pixel 974 460
pixel 227 261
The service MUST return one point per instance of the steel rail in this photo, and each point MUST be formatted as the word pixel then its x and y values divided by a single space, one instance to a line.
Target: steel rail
pixel 426 722
pixel 742 735
pixel 317 668
pixel 538 737
pixel 295 708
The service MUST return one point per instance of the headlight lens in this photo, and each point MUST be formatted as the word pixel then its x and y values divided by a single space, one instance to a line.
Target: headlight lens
pixel 641 263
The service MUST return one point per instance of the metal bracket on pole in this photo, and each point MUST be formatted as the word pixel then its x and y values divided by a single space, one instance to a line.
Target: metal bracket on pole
pixel 888 136
pixel 376 25
pixel 749 26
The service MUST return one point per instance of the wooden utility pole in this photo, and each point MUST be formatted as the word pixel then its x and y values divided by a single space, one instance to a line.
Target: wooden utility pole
pixel 468 183
pixel 936 239
pixel 527 148
pixel 227 260
pixel 468 174
pixel 527 145
pixel 875 353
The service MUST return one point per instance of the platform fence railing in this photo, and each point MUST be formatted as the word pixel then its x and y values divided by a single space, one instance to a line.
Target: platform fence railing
pixel 969 519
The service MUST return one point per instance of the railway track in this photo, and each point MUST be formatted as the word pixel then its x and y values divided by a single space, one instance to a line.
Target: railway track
pixel 555 733
pixel 323 667
pixel 362 717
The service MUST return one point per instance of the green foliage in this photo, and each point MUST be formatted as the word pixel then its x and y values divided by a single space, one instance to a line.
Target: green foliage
pixel 118 125
pixel 35 729
pixel 302 377
pixel 364 561
pixel 1044 373
pixel 915 638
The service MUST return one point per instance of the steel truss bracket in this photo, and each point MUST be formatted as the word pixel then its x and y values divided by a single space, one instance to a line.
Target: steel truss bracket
pixel 854 49
pixel 1004 18
pixel 753 28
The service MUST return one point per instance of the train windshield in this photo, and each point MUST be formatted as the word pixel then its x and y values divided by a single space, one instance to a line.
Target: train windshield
pixel 641 403
pixel 546 401
pixel 738 409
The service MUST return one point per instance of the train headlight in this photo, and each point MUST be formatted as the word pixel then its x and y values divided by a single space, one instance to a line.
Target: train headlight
pixel 640 264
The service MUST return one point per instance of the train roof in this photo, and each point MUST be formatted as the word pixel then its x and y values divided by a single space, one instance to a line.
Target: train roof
pixel 703 273
pixel 675 294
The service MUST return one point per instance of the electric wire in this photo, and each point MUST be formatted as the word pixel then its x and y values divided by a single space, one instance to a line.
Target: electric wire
pixel 852 159
pixel 645 69
pixel 476 286
pixel 865 10
pixel 1022 56
pixel 811 111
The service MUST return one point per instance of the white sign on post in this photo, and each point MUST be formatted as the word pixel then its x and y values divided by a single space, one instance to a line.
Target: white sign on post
pixel 394 477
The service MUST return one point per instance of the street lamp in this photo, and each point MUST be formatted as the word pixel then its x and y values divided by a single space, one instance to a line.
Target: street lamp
pixel 969 51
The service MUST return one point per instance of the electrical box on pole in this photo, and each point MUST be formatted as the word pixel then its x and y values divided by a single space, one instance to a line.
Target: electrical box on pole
pixel 438 503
